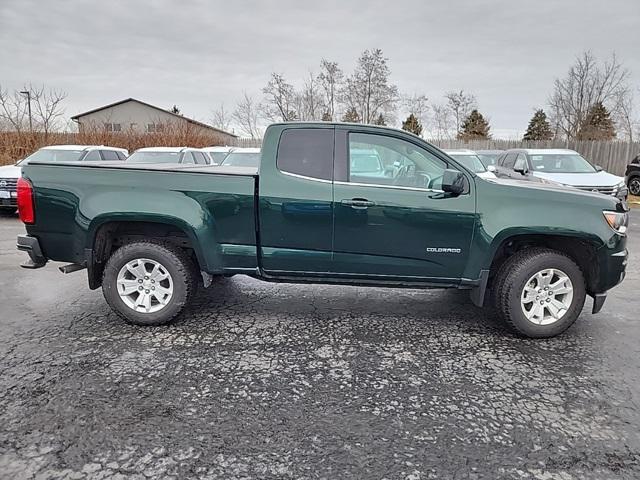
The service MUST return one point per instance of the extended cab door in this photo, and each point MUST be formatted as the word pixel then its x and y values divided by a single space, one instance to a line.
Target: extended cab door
pixel 391 220
pixel 296 194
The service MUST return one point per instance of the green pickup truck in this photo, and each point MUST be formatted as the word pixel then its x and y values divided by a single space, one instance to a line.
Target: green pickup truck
pixel 150 234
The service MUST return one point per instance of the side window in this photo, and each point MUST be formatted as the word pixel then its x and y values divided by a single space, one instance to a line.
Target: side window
pixel 383 160
pixel 520 163
pixel 200 158
pixel 188 158
pixel 121 156
pixel 509 161
pixel 109 155
pixel 92 156
pixel 307 152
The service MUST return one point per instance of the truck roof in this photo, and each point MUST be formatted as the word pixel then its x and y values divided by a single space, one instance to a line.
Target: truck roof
pixel 82 147
pixel 459 151
pixel 548 151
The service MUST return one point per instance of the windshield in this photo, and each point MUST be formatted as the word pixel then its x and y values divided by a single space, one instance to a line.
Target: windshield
pixel 561 163
pixel 365 163
pixel 51 155
pixel 472 162
pixel 488 158
pixel 242 159
pixel 218 157
pixel 154 157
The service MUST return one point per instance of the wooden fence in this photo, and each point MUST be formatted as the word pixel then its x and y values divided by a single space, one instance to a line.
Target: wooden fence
pixel 613 156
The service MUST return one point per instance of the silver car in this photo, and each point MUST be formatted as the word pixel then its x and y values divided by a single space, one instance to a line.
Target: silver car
pixel 562 166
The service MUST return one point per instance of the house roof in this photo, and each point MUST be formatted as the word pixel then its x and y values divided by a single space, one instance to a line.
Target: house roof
pixel 190 120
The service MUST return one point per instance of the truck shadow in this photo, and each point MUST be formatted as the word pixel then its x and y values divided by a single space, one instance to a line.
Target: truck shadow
pixel 243 297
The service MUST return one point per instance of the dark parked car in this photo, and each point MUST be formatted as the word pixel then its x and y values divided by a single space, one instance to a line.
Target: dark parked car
pixel 632 176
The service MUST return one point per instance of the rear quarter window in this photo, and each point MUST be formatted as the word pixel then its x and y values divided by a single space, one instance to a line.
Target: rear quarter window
pixel 307 152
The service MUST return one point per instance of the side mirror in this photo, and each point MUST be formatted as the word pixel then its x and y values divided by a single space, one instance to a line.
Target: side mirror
pixel 453 181
pixel 598 168
pixel 491 168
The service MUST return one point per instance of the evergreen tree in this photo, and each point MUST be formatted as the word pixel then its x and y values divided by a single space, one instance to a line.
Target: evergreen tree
pixel 474 127
pixel 411 124
pixel 380 120
pixel 351 115
pixel 597 125
pixel 175 110
pixel 326 117
pixel 539 127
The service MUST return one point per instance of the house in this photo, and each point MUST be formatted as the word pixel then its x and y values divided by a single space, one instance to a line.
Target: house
pixel 141 117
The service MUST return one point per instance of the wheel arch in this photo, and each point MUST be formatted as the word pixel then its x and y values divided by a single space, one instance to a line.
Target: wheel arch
pixel 580 248
pixel 107 233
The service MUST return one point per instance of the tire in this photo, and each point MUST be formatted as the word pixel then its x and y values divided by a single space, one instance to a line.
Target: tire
pixel 634 185
pixel 529 268
pixel 175 274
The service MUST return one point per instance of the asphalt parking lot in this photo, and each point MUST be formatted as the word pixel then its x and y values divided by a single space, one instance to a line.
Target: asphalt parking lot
pixel 262 380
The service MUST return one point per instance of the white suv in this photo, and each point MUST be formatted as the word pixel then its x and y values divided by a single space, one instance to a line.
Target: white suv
pixel 9 174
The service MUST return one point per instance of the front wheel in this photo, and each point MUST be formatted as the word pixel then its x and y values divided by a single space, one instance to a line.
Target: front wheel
pixel 539 292
pixel 148 283
pixel 634 185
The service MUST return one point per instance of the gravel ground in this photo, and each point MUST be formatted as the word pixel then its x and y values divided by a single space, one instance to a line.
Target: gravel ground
pixel 263 380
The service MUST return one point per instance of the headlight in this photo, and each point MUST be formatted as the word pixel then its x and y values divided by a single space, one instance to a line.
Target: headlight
pixel 617 220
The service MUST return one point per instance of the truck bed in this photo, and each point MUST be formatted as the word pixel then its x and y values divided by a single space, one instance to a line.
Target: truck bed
pixel 214 207
pixel 169 167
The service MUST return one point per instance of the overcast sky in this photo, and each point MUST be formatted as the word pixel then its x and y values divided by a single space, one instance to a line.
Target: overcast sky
pixel 197 54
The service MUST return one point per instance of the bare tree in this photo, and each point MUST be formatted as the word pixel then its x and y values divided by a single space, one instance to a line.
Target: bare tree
pixel 280 99
pixel 442 121
pixel 13 110
pixel 626 116
pixel 246 115
pixel 221 118
pixel 586 84
pixel 311 107
pixel 47 107
pixel 368 89
pixel 460 104
pixel 330 79
pixel 417 105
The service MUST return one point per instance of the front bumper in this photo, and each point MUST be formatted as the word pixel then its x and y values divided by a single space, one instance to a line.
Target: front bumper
pixel 31 245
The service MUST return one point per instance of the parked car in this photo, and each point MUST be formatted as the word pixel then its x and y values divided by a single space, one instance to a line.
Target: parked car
pixel 471 160
pixel 538 248
pixel 565 167
pixel 242 157
pixel 181 155
pixel 632 176
pixel 489 157
pixel 217 154
pixel 9 174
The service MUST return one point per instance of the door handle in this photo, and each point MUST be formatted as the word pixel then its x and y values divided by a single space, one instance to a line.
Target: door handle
pixel 358 203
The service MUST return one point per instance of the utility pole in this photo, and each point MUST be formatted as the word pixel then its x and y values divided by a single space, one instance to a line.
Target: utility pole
pixel 28 94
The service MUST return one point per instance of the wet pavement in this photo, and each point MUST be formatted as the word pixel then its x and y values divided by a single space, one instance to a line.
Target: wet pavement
pixel 261 380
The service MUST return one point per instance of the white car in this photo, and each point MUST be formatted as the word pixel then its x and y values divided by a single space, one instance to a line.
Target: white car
pixel 562 166
pixel 182 155
pixel 217 154
pixel 471 160
pixel 9 174
pixel 242 157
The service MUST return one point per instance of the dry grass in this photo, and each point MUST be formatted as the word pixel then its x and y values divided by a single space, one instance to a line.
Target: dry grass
pixel 17 145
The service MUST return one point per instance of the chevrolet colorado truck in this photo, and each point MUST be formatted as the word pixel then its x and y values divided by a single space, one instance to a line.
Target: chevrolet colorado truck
pixel 149 235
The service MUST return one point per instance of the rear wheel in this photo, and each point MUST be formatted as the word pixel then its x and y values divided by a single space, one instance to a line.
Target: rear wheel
pixel 539 292
pixel 634 185
pixel 148 283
